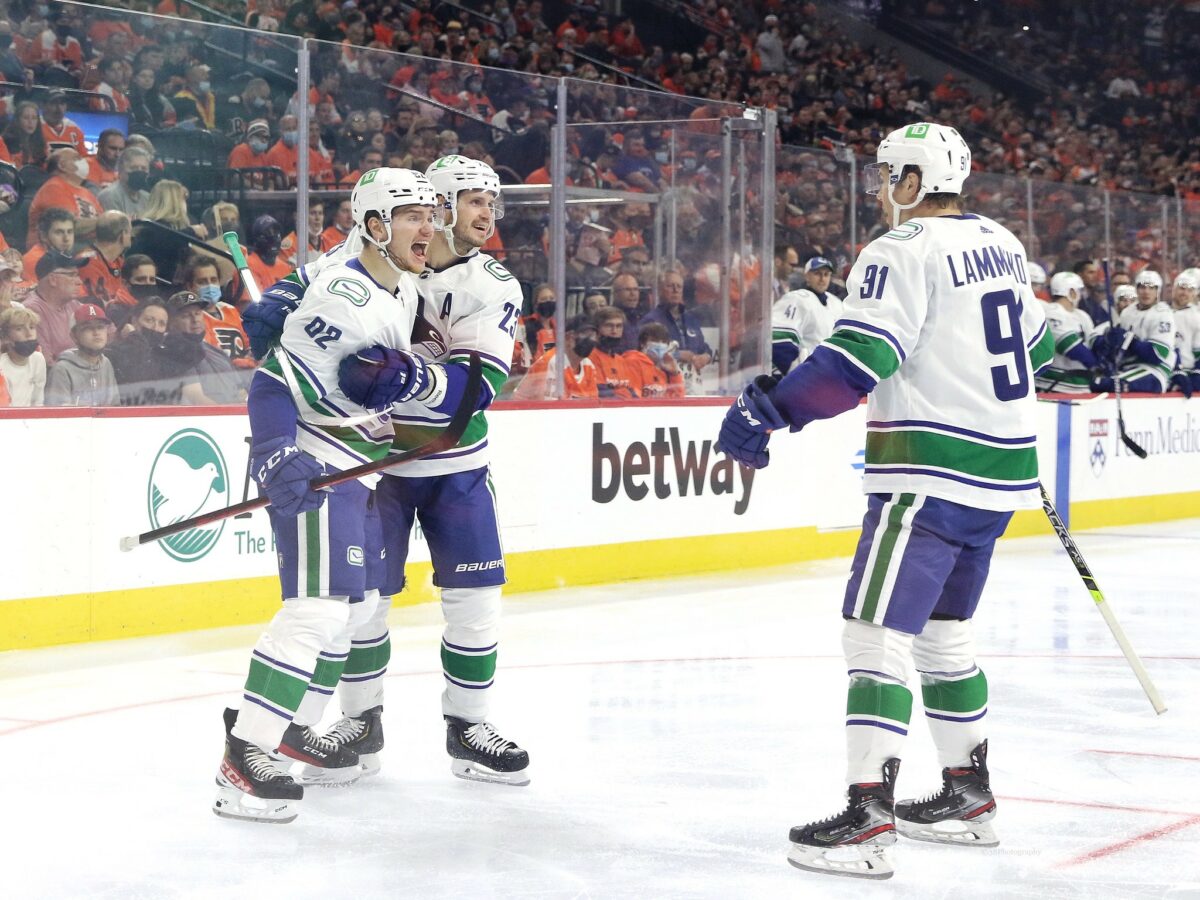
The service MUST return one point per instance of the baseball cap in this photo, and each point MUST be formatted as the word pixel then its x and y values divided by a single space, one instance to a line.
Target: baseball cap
pixel 818 262
pixel 88 314
pixel 55 260
pixel 181 300
pixel 258 125
pixel 6 266
pixel 56 95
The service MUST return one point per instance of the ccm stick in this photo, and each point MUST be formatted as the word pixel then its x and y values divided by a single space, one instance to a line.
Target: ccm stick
pixel 1089 581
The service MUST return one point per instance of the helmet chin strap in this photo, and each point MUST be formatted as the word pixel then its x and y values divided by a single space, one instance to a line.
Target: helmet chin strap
pixel 388 257
pixel 897 208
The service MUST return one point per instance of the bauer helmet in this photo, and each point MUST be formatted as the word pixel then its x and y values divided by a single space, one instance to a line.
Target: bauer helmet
pixel 1148 278
pixel 1125 293
pixel 454 173
pixel 1188 279
pixel 938 151
pixel 1063 283
pixel 380 191
pixel 1037 275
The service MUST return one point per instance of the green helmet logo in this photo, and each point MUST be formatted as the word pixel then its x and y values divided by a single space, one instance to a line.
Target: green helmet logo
pixel 188 477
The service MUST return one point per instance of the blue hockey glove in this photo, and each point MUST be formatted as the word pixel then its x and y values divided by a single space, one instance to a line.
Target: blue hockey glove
pixel 1143 351
pixel 283 473
pixel 380 376
pixel 1110 345
pixel 1181 382
pixel 748 425
pixel 263 321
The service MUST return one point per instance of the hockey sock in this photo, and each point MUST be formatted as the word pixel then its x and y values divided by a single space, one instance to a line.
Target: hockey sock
pixel 469 649
pixel 361 686
pixel 954 689
pixel 878 702
pixel 332 661
pixel 283 663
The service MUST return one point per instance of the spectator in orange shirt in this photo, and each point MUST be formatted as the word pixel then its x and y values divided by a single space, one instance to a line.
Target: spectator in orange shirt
pixel 343 221
pixel 56 231
pixel 102 168
pixel 24 136
pixel 252 152
pixel 57 130
pixel 652 365
pixel 222 322
pixel 105 258
pixel 580 377
pixel 614 377
pixel 65 189
pixel 267 264
pixel 285 152
pixel 115 74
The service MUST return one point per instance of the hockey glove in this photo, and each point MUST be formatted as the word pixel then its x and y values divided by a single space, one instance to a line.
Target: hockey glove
pixel 283 472
pixel 378 376
pixel 1110 345
pixel 748 424
pixel 1144 351
pixel 263 321
pixel 1182 383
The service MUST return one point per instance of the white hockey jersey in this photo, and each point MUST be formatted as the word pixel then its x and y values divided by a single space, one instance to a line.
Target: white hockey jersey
pixel 1155 324
pixel 474 304
pixel 344 310
pixel 1187 339
pixel 800 318
pixel 1069 328
pixel 940 314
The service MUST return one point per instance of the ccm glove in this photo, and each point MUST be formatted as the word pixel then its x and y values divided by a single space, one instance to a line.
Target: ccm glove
pixel 379 376
pixel 283 472
pixel 263 321
pixel 748 424
pixel 1182 383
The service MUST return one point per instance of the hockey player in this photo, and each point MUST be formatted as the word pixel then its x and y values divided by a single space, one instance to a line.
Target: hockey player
pixel 469 303
pixel 329 542
pixel 801 319
pixel 1141 346
pixel 940 320
pixel 1071 370
pixel 1184 293
pixel 1037 281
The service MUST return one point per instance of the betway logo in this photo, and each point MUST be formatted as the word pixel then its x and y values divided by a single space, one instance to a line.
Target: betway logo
pixel 613 470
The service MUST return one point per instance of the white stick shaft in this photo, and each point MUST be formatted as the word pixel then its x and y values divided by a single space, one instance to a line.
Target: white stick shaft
pixel 1134 660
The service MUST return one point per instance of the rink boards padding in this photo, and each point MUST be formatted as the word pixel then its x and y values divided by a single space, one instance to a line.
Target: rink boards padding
pixel 587 494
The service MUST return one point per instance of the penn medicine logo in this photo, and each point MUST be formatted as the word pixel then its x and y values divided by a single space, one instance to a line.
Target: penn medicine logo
pixel 189 477
pixel 1097 437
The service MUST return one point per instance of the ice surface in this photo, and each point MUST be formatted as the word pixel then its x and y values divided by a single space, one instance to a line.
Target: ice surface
pixel 677 729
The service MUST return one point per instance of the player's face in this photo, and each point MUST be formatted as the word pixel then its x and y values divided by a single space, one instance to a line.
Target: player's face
pixel 412 230
pixel 476 217
pixel 1147 295
pixel 1183 297
pixel 819 279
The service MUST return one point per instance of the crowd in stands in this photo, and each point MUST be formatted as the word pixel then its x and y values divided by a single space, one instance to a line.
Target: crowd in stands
pixel 199 134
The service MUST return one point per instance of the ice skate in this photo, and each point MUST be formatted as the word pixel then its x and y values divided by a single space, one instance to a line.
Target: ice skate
pixel 322 762
pixel 363 734
pixel 960 813
pixel 855 842
pixel 480 754
pixel 250 786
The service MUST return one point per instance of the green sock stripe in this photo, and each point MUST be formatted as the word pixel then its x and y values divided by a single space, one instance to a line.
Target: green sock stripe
pixel 279 688
pixel 883 558
pixel 368 659
pixel 868 697
pixel 963 696
pixel 327 672
pixel 459 666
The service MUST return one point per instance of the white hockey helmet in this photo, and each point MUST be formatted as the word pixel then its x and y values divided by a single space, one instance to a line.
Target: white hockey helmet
pixel 380 191
pixel 1188 279
pixel 1037 275
pixel 1125 293
pixel 454 173
pixel 1148 278
pixel 938 151
pixel 1063 283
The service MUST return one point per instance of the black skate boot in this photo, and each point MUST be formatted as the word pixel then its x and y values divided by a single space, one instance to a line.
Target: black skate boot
pixel 250 787
pixel 959 813
pixel 363 734
pixel 854 842
pixel 480 754
pixel 323 761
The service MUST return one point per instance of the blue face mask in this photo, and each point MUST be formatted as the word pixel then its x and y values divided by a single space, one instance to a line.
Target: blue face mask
pixel 290 138
pixel 657 349
pixel 209 293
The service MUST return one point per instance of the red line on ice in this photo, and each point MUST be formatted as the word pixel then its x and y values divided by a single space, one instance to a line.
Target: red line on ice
pixel 1136 839
pixel 1148 755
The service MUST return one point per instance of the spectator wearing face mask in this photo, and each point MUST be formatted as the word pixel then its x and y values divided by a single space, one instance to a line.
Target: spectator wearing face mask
pixel 65 190
pixel 210 378
pixel 284 154
pixel 83 375
pixel 147 368
pixel 252 152
pixel 130 193
pixel 266 262
pixel 22 366
pixel 652 365
pixel 614 377
pixel 222 322
pixel 195 103
pixel 580 376
pixel 140 277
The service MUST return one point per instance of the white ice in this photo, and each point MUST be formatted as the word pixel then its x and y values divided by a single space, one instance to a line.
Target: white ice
pixel 677 730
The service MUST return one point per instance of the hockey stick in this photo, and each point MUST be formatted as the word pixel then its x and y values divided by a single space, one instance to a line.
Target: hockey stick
pixel 449 437
pixel 1134 447
pixel 1089 581
pixel 239 259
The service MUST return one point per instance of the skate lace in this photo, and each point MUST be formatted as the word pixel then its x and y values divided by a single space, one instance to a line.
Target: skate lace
pixel 346 729
pixel 484 737
pixel 260 765
pixel 319 741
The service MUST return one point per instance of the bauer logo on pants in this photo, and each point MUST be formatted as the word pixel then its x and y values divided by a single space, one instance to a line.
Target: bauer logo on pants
pixel 188 477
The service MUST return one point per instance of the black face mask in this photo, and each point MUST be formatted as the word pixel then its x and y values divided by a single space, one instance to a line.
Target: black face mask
pixel 608 343
pixel 143 292
pixel 584 346
pixel 546 309
pixel 25 348
pixel 139 181
pixel 5 41
pixel 154 338
pixel 63 33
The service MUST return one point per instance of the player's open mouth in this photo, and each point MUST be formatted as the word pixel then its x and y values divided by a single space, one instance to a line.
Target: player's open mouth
pixel 419 248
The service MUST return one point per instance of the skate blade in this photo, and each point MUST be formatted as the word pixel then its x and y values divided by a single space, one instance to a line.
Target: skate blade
pixel 370 764
pixel 851 861
pixel 954 832
pixel 316 776
pixel 472 771
pixel 234 804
